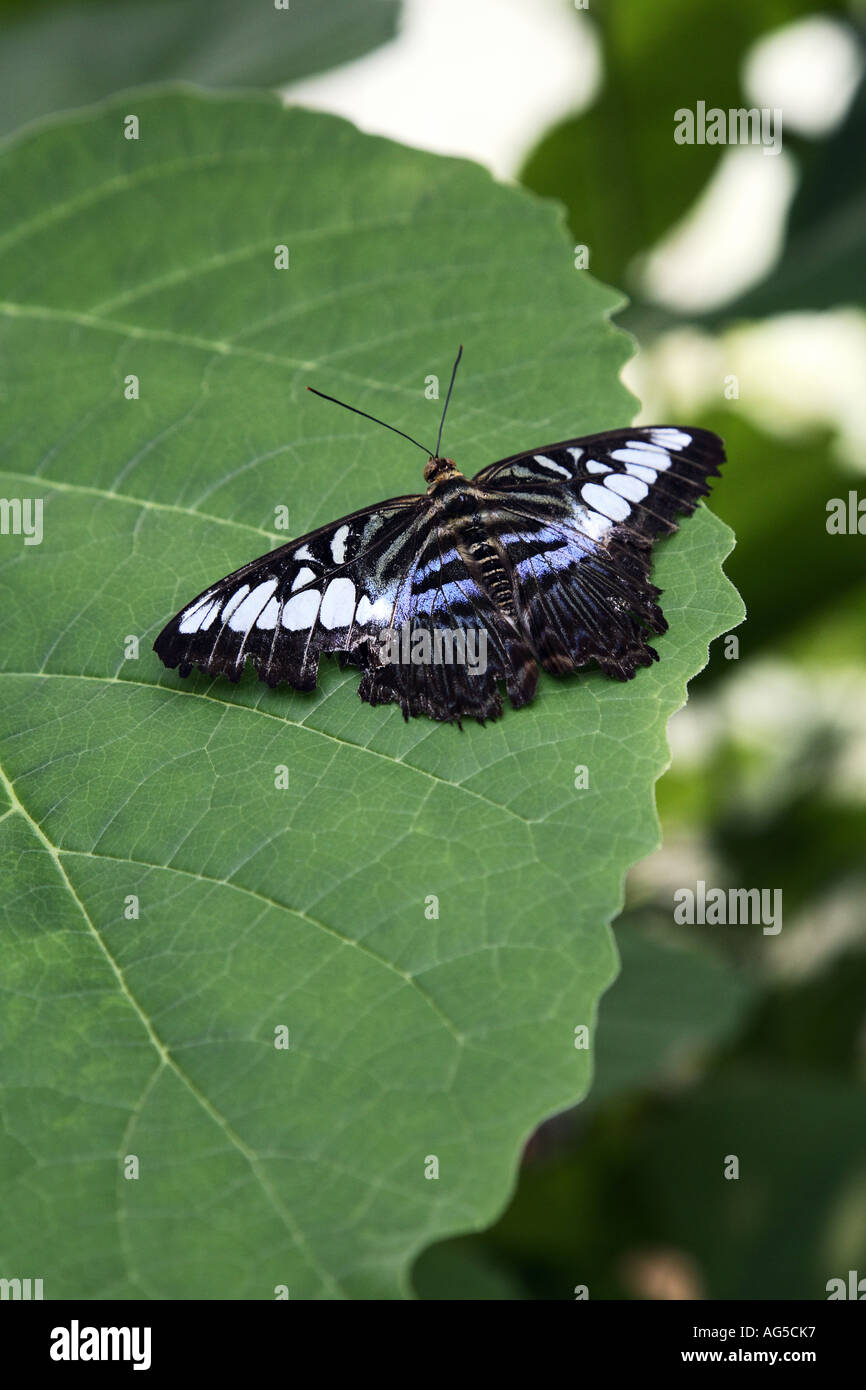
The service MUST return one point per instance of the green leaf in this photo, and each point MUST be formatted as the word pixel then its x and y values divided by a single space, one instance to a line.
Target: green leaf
pixel 454 1271
pixel 60 54
pixel 410 1036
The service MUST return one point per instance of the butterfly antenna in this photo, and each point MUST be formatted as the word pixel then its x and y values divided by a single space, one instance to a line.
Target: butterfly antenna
pixel 355 411
pixel 448 397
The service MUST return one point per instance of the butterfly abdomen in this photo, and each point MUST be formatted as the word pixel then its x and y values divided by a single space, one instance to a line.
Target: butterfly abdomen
pixel 461 508
pixel 484 560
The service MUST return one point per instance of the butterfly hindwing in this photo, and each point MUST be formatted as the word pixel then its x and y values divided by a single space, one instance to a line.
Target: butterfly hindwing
pixel 466 643
pixel 580 601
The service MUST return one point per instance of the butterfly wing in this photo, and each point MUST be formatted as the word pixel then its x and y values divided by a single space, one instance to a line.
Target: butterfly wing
pixel 576 521
pixel 452 642
pixel 332 590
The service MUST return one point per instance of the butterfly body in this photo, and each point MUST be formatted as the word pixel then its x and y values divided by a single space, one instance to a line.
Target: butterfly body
pixel 542 559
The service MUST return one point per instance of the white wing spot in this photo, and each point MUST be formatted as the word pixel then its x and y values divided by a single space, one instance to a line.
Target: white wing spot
pixel 651 457
pixel 191 620
pixel 576 454
pixel 643 471
pixel 593 524
pixel 601 499
pixel 552 465
pixel 267 619
pixel 302 577
pixel 302 553
pixel 380 608
pixel 243 617
pixel 235 601
pixel 301 610
pixel 338 605
pixel 593 466
pixel 338 545
pixel 626 486
pixel 649 448
pixel 671 438
pixel 209 616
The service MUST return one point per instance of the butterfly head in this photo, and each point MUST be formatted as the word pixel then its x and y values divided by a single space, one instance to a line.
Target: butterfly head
pixel 438 471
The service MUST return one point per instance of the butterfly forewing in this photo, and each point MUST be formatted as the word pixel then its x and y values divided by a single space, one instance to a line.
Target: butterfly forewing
pixel 331 590
pixel 636 480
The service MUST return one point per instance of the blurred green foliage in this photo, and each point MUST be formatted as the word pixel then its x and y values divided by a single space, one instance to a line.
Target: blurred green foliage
pixel 775 495
pixel 615 166
pixel 824 259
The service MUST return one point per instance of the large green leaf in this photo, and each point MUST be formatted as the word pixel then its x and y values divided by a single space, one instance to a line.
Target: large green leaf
pixel 410 1036
pixel 61 53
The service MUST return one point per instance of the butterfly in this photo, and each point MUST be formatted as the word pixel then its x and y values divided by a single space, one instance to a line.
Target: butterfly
pixel 540 560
